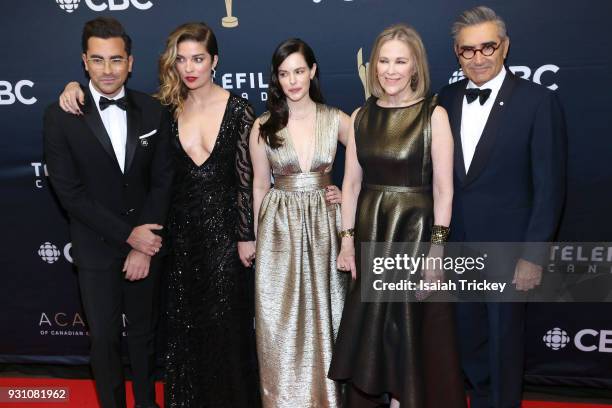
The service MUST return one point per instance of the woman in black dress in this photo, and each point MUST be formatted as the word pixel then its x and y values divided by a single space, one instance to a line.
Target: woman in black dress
pixel 210 360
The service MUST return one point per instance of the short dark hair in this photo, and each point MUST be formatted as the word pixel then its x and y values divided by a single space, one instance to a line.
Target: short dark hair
pixel 105 27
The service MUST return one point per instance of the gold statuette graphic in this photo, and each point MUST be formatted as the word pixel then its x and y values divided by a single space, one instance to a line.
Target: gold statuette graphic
pixel 229 21
pixel 362 69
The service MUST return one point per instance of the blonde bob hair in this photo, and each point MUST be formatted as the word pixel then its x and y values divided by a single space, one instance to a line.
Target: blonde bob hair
pixel 420 81
pixel 172 90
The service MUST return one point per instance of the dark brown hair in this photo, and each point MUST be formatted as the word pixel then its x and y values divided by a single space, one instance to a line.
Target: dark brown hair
pixel 105 27
pixel 277 101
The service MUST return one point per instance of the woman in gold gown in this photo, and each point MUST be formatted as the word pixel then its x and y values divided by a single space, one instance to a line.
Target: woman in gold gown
pixel 299 293
pixel 397 188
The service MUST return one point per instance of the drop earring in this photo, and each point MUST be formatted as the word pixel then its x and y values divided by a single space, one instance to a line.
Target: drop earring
pixel 413 81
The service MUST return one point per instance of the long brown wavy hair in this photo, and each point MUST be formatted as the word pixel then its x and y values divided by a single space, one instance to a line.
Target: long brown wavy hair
pixel 172 91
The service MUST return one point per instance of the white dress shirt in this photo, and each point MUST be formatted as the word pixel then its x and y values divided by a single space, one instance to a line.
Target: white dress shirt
pixel 474 116
pixel 115 122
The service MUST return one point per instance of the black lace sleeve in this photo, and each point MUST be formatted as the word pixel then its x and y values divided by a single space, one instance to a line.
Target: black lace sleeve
pixel 244 175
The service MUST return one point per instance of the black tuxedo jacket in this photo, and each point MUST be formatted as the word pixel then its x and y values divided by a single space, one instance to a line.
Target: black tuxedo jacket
pixel 515 188
pixel 104 204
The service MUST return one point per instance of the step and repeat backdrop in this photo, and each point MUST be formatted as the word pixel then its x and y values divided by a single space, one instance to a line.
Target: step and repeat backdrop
pixel 563 45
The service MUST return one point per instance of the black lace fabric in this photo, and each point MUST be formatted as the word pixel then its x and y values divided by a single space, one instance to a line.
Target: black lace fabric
pixel 244 175
pixel 210 361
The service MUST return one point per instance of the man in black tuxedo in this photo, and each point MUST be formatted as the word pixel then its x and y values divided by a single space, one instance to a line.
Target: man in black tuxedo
pixel 509 179
pixel 112 171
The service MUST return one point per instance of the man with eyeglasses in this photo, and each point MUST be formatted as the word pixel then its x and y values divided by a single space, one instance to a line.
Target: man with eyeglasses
pixel 509 183
pixel 112 171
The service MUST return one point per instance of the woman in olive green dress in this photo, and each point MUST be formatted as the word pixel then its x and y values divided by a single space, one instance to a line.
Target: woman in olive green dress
pixel 397 187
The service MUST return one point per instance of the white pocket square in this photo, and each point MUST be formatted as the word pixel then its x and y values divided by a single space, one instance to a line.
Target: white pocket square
pixel 151 133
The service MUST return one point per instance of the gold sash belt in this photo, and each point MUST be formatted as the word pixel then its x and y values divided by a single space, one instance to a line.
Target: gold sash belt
pixel 302 181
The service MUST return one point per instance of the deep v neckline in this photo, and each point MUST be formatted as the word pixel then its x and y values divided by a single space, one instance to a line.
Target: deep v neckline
pixel 214 148
pixel 315 143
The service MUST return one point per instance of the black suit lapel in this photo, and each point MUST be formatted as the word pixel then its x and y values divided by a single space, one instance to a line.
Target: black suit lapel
pixel 491 129
pixel 133 130
pixel 455 119
pixel 94 122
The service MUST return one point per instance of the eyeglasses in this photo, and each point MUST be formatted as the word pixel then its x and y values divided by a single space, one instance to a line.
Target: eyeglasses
pixel 487 51
pixel 100 63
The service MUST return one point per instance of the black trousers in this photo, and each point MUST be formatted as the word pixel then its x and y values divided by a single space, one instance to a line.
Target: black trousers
pixel 106 294
pixel 491 342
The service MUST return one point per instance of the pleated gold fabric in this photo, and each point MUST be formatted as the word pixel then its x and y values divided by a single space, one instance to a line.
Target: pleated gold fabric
pixel 402 350
pixel 299 293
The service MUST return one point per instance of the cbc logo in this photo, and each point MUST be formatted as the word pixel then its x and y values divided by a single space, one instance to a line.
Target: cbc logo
pixel 586 340
pixel 50 253
pixel 9 94
pixel 556 338
pixel 456 77
pixel 70 6
pixel 539 75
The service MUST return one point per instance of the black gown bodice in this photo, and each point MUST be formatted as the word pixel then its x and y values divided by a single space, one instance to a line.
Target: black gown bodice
pixel 218 191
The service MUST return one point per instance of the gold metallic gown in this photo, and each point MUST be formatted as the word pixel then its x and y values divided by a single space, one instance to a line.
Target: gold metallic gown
pixel 299 293
pixel 404 350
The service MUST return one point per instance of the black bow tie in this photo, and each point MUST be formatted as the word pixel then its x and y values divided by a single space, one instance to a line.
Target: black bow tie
pixel 482 94
pixel 121 103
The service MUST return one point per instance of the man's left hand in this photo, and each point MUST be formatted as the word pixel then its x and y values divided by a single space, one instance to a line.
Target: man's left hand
pixel 527 275
pixel 136 266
